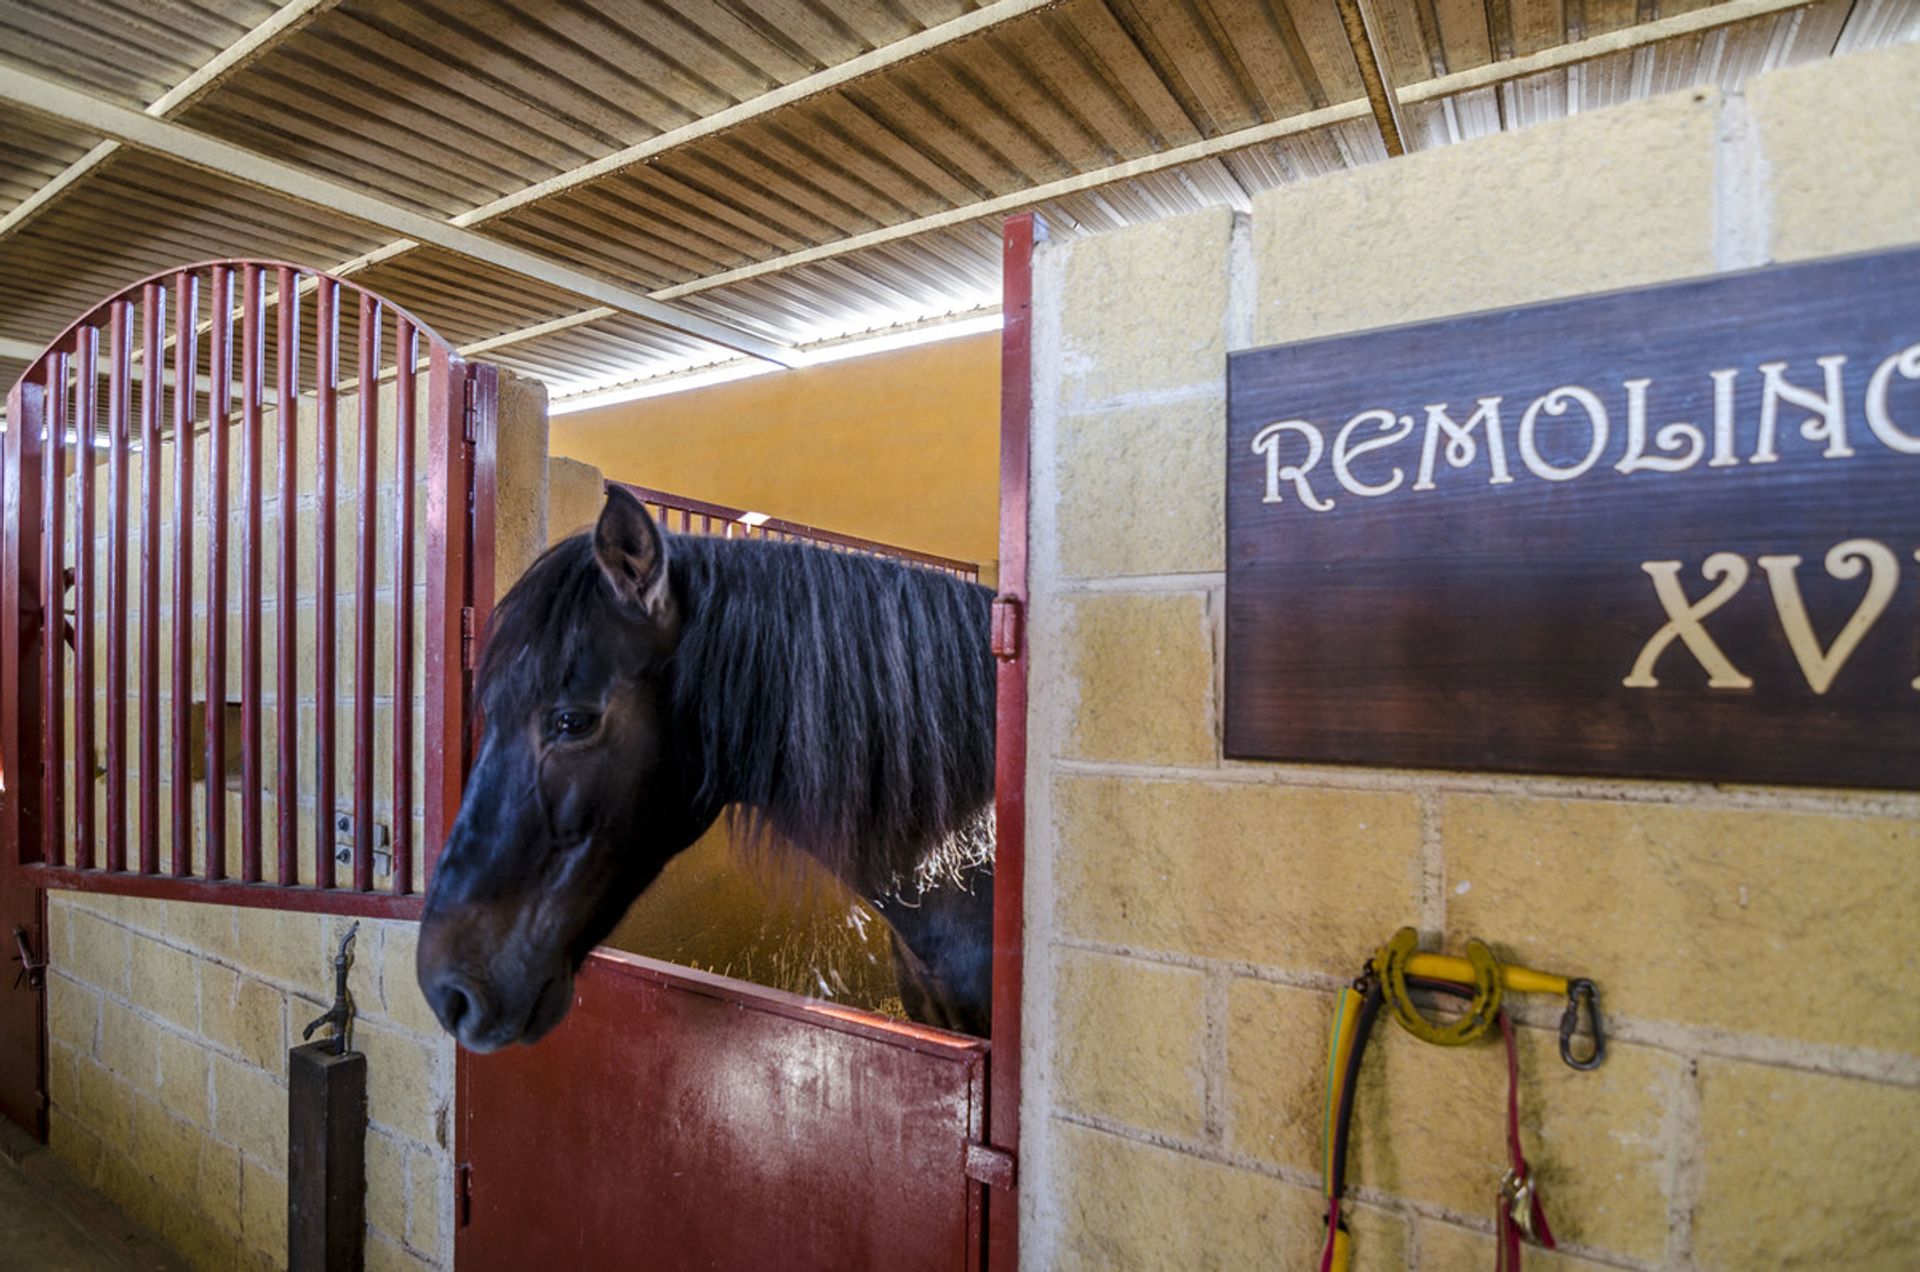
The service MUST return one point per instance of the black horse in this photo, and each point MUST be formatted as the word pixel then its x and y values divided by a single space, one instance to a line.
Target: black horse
pixel 636 685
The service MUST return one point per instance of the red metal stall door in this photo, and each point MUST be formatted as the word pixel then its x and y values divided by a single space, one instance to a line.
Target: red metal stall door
pixel 678 1120
pixel 22 1064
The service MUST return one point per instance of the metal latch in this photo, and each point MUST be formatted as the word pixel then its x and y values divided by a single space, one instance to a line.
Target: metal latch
pixel 33 971
pixel 991 1166
pixel 1007 622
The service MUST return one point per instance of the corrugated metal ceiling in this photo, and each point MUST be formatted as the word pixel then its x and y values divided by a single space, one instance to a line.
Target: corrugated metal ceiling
pixel 849 200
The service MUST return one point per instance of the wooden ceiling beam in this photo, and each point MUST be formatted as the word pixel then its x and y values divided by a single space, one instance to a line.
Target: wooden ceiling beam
pixel 1363 36
pixel 967 25
pixel 1558 58
pixel 284 21
pixel 985 18
pixel 40 96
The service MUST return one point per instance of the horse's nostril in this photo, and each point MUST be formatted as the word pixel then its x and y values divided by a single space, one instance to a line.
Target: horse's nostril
pixel 454 1007
pixel 454 998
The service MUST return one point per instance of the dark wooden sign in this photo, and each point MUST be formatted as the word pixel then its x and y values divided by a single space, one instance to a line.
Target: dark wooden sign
pixel 1672 532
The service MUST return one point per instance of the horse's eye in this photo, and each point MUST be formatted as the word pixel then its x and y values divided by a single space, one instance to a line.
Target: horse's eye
pixel 570 722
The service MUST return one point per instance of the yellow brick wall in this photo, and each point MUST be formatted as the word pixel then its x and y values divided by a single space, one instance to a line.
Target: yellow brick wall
pixel 1190 917
pixel 170 1029
pixel 170 1021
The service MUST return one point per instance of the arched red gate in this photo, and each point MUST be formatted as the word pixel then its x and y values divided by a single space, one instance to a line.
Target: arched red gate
pixel 200 566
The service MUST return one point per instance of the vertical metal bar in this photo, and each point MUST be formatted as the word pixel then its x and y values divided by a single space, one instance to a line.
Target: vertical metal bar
pixel 153 326
pixel 326 373
pixel 253 338
pixel 482 432
pixel 449 491
pixel 363 609
pixel 186 361
pixel 23 631
pixel 219 410
pixel 53 595
pixel 119 419
pixel 406 351
pixel 86 345
pixel 286 587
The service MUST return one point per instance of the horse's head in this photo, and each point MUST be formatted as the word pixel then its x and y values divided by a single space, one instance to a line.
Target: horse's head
pixel 576 799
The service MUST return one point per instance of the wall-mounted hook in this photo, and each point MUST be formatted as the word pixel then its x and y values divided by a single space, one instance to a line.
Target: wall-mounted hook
pixel 340 1015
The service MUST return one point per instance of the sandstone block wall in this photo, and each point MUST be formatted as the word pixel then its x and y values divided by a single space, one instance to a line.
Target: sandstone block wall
pixel 170 1029
pixel 1189 917
pixel 171 1021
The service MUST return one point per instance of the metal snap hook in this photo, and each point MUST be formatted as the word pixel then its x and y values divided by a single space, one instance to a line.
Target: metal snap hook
pixel 1570 1024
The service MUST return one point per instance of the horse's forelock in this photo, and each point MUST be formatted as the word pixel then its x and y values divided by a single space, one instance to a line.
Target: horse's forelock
pixel 543 627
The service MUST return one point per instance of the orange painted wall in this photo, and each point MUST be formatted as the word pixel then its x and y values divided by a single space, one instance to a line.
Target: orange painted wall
pixel 902 447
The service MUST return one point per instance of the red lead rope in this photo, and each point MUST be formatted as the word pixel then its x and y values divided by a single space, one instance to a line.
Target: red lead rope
pixel 1520 1212
pixel 1520 1216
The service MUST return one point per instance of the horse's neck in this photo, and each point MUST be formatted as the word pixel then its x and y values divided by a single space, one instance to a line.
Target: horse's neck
pixel 885 861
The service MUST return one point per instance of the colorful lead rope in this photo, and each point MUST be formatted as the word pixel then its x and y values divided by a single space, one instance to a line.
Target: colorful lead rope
pixel 1480 978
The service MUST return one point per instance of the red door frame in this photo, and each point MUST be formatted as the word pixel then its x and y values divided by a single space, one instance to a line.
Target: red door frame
pixel 23 999
pixel 1010 736
pixel 30 669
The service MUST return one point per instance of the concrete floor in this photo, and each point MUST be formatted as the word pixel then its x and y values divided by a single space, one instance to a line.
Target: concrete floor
pixel 51 1222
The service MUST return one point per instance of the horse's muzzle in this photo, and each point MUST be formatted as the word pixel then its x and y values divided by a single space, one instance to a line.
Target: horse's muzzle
pixel 457 1000
pixel 476 1016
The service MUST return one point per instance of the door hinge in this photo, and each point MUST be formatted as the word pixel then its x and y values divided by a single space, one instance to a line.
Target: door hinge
pixel 466 637
pixel 465 1202
pixel 991 1166
pixel 33 970
pixel 1007 624
pixel 469 413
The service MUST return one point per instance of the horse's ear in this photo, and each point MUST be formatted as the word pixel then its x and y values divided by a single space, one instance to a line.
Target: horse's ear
pixel 632 554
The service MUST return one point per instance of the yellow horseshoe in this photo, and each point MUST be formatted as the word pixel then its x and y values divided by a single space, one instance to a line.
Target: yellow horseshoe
pixel 1390 964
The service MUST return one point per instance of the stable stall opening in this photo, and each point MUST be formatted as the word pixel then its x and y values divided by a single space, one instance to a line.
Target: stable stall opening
pixel 850 1138
pixel 774 918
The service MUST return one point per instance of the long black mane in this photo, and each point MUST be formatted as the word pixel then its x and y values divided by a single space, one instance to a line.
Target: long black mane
pixel 843 702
